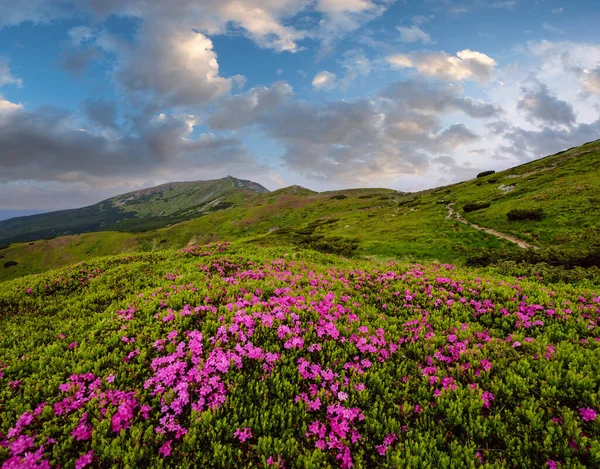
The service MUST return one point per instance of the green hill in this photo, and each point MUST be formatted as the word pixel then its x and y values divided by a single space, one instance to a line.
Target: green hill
pixel 141 210
pixel 238 356
pixel 551 204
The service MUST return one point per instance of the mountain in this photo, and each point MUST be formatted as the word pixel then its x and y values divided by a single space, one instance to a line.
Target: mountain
pixel 140 210
pixel 550 206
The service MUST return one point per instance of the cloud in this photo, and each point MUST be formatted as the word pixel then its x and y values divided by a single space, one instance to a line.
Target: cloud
pixel 102 113
pixel 466 65
pixel 36 11
pixel 424 97
pixel 526 145
pixel 6 107
pixel 6 77
pixel 413 34
pixel 245 109
pixel 543 107
pixel 391 135
pixel 591 81
pixel 172 68
pixel 55 145
pixel 325 81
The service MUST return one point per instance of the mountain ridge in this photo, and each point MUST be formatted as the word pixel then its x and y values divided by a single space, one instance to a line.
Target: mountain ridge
pixel 147 208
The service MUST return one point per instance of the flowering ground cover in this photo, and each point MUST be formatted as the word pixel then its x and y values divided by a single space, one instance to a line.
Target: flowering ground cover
pixel 220 357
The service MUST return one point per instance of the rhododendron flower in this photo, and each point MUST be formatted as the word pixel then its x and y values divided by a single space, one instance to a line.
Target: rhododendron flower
pixel 243 434
pixel 165 450
pixel 73 345
pixel 552 464
pixel 85 460
pixel 588 414
pixel 487 398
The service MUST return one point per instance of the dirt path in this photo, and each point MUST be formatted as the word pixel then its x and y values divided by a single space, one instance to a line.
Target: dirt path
pixel 452 214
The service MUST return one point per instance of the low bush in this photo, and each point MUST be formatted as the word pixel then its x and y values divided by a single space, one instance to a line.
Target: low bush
pixel 8 264
pixel 475 206
pixel 519 214
pixel 220 358
pixel 338 197
pixel 486 173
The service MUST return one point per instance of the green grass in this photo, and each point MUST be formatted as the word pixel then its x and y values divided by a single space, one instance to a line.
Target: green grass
pixel 383 223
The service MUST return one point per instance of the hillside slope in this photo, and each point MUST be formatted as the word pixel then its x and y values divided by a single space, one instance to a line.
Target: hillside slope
pixel 383 223
pixel 217 356
pixel 145 209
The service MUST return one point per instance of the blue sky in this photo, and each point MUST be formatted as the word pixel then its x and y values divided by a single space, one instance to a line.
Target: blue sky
pixel 100 97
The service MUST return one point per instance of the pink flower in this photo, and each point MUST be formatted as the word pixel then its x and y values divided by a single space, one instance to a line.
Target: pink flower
pixel 110 378
pixel 588 414
pixel 165 450
pixel 71 347
pixel 551 464
pixel 85 460
pixel 83 430
pixel 243 434
pixel 342 396
pixel 516 344
pixel 487 398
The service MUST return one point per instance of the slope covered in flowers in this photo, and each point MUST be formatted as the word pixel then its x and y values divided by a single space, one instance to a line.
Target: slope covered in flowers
pixel 217 358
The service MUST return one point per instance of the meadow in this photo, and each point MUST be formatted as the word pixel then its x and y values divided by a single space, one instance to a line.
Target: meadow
pixel 375 223
pixel 226 355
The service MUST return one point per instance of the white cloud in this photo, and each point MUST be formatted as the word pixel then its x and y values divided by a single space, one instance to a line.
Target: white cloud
pixel 8 107
pixel 591 81
pixel 466 65
pixel 325 81
pixel 177 67
pixel 413 34
pixel 6 77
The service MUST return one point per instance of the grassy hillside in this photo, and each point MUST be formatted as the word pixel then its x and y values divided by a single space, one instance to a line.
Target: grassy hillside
pixel 141 210
pixel 385 224
pixel 219 356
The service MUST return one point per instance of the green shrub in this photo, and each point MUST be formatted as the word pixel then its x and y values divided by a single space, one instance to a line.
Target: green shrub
pixel 518 214
pixel 486 173
pixel 475 206
pixel 338 197
pixel 8 264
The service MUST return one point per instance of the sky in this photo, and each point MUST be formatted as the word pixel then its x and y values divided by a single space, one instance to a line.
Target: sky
pixel 102 97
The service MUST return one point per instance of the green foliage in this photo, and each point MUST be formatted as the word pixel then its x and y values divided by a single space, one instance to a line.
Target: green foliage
pixel 8 264
pixel 486 173
pixel 452 367
pixel 518 214
pixel 383 224
pixel 475 206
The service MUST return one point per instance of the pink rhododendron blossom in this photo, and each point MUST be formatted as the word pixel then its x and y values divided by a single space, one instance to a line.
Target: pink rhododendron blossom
pixel 243 434
pixel 588 414
pixel 85 460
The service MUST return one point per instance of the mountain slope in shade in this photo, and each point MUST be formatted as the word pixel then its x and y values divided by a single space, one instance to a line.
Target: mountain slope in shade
pixel 141 210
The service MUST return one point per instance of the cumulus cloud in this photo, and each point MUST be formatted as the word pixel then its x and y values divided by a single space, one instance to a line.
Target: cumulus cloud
pixel 54 145
pixel 591 81
pixel 393 134
pixel 175 67
pixel 102 113
pixel 413 34
pixel 325 81
pixel 6 76
pixel 425 97
pixel 527 144
pixel 466 65
pixel 541 106
pixel 244 109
